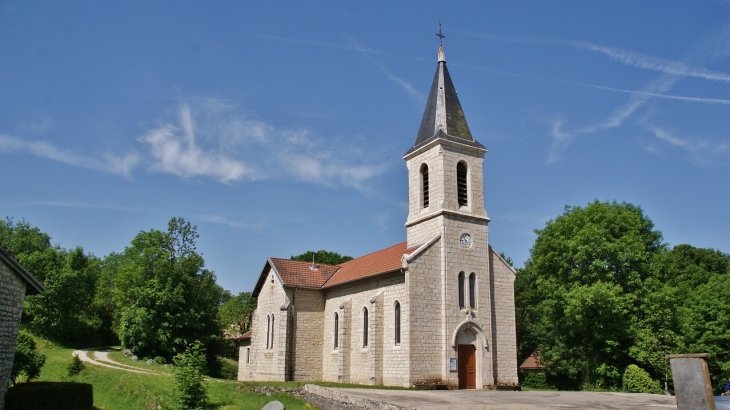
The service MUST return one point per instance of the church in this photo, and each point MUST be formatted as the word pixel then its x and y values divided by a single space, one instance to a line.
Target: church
pixel 438 307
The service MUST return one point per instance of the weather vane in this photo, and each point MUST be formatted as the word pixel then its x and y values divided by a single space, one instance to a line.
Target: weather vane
pixel 440 36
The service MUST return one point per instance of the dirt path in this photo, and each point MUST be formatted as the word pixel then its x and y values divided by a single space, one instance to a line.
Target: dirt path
pixel 103 360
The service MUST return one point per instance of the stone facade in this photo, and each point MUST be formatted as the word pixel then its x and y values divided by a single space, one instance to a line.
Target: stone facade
pixel 12 289
pixel 320 331
pixel 15 282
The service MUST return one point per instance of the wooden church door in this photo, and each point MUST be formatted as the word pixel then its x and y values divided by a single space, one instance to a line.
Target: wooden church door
pixel 467 367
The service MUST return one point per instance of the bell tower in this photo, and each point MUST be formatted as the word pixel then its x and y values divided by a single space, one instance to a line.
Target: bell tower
pixel 445 174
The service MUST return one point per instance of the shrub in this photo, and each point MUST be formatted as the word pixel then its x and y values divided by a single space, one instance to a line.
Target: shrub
pixel 159 360
pixel 637 380
pixel 535 380
pixel 76 366
pixel 190 366
pixel 50 395
pixel 26 360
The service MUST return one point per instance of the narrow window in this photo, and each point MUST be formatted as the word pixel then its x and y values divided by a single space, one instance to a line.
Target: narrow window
pixel 365 327
pixel 472 290
pixel 248 355
pixel 272 331
pixel 461 183
pixel 397 323
pixel 268 330
pixel 337 330
pixel 461 290
pixel 424 178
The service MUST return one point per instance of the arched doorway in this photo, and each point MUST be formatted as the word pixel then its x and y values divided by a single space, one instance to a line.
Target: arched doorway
pixel 473 356
pixel 466 342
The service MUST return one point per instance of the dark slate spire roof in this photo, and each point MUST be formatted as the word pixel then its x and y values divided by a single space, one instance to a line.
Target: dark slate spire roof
pixel 443 115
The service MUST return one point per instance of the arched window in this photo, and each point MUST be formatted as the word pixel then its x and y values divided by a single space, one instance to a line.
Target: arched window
pixel 268 330
pixel 397 323
pixel 424 179
pixel 272 331
pixel 364 327
pixel 461 290
pixel 472 290
pixel 461 184
pixel 337 330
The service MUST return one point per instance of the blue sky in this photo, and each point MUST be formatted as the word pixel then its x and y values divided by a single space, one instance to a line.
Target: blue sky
pixel 279 127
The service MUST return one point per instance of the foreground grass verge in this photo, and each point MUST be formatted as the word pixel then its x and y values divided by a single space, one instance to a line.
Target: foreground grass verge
pixel 117 389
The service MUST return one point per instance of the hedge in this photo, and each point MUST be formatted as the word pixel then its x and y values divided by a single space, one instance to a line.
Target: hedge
pixel 50 395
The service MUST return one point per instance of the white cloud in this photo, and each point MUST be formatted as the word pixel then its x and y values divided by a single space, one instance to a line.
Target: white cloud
pixel 217 219
pixel 175 151
pixel 702 151
pixel 213 140
pixel 649 62
pixel 107 162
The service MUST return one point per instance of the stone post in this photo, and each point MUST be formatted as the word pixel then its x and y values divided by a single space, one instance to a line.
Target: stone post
pixel 692 385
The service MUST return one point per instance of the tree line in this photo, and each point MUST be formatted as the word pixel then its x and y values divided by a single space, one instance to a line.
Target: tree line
pixel 155 297
pixel 601 293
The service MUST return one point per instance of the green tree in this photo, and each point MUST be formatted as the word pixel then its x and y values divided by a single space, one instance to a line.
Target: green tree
pixel 322 256
pixel 68 276
pixel 164 297
pixel 701 279
pixel 234 315
pixel 586 276
pixel 190 366
pixel 26 361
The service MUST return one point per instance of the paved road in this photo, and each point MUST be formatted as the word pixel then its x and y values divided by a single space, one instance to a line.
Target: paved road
pixel 528 400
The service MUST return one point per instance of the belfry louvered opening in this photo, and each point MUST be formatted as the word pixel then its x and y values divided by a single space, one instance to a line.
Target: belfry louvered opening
pixel 424 179
pixel 461 184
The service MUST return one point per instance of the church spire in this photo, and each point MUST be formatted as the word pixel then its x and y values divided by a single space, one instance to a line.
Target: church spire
pixel 443 110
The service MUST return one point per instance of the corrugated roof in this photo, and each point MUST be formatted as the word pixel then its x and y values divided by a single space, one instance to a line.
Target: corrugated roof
pixel 382 261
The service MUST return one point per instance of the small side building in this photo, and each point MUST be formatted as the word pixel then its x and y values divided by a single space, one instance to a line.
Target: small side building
pixel 15 283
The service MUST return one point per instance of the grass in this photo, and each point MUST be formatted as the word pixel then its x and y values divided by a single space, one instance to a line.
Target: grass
pixel 116 389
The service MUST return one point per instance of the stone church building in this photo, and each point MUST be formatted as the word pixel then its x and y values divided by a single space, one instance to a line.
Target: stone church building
pixel 439 306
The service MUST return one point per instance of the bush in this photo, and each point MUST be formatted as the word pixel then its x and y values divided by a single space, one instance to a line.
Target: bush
pixel 76 366
pixel 50 395
pixel 535 380
pixel 159 360
pixel 190 391
pixel 26 360
pixel 637 380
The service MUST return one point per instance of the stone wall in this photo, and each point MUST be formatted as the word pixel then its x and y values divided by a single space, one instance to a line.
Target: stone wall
pixel 504 328
pixel 12 293
pixel 474 259
pixel 382 361
pixel 269 363
pixel 425 291
pixel 308 311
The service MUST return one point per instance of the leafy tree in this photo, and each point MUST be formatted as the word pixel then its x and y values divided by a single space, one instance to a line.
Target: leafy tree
pixel 68 276
pixel 701 279
pixel 322 256
pixel 26 361
pixel 190 390
pixel 164 297
pixel 587 277
pixel 234 315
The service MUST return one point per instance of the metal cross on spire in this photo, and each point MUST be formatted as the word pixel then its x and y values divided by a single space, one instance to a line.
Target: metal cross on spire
pixel 440 36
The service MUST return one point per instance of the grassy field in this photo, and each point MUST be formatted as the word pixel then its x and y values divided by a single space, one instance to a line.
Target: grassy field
pixel 116 389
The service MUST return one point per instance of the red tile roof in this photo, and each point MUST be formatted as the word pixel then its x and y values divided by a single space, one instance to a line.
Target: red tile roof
pixel 382 261
pixel 532 362
pixel 244 336
pixel 300 274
